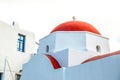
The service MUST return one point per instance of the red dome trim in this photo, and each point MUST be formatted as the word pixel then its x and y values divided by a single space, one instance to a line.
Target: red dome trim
pixel 54 62
pixel 101 56
pixel 76 26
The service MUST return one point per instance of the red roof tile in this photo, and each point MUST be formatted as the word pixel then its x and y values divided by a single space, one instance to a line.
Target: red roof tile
pixel 101 56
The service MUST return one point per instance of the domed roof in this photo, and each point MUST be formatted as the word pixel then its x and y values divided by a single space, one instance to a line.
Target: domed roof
pixel 76 26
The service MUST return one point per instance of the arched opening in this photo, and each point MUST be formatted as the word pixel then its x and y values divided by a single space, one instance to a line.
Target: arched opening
pixel 47 48
pixel 98 49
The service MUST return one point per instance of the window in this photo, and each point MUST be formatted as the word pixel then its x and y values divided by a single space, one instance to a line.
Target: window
pixel 98 49
pixel 17 77
pixel 47 48
pixel 21 43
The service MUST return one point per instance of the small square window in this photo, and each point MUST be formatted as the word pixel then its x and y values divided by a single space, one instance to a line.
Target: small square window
pixel 17 77
pixel 21 43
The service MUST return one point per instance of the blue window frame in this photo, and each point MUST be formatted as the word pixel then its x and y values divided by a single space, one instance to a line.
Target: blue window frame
pixel 21 43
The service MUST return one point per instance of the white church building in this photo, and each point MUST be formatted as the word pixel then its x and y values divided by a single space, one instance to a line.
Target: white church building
pixel 74 50
pixel 16 48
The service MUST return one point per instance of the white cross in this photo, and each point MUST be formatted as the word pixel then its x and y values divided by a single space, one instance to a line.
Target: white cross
pixel 74 18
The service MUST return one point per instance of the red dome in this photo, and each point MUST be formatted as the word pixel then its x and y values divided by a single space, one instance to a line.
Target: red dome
pixel 76 26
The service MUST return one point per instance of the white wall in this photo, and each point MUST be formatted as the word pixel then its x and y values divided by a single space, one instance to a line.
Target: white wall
pixel 70 40
pixel 48 40
pixel 58 41
pixel 92 40
pixel 72 48
pixel 76 57
pixel 72 57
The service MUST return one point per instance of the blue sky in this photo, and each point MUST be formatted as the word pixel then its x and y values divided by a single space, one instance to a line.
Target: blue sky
pixel 41 16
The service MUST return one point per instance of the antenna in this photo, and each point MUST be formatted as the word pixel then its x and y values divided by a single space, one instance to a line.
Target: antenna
pixel 13 23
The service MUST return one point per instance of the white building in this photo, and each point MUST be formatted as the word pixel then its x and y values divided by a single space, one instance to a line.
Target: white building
pixel 74 50
pixel 16 48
